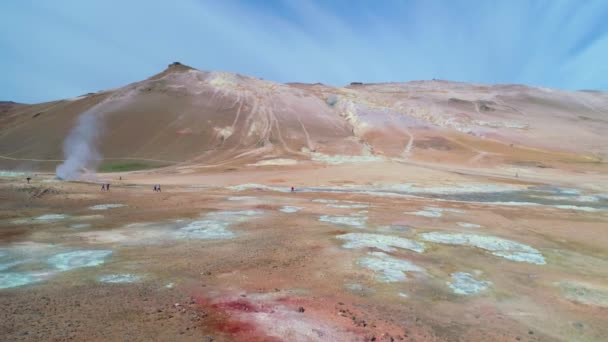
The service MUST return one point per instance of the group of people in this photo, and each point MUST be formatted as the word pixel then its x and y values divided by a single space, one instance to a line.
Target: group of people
pixel 106 187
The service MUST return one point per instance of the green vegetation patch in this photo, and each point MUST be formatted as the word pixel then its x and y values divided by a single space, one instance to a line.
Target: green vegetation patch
pixel 128 166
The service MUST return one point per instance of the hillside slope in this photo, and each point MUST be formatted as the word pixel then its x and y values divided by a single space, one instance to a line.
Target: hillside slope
pixel 183 115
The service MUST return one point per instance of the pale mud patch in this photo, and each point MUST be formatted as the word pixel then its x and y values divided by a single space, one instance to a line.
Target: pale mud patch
pixel 533 204
pixel 395 228
pixel 16 279
pixel 360 213
pixel 322 200
pixel 242 198
pixel 215 225
pixel 434 212
pixel 504 248
pixel 278 316
pixel 87 217
pixel 344 159
pixel 22 253
pixel 386 243
pixel 8 263
pixel 468 225
pixel 132 234
pixel 223 132
pixel 290 210
pixel 12 174
pixel 584 293
pixel 348 206
pixel 206 230
pixel 447 190
pixel 254 186
pixel 355 287
pixel 341 204
pixel 13 257
pixel 77 259
pixel 576 207
pixel 212 226
pixel 273 162
pixel 359 289
pixel 352 221
pixel 387 268
pixel 119 278
pixel 29 262
pixel 465 284
pixel 51 217
pixel 107 206
pixel 579 198
pixel 426 213
pixel 80 225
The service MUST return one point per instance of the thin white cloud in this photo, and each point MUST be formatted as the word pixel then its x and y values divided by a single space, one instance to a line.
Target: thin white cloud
pixel 71 47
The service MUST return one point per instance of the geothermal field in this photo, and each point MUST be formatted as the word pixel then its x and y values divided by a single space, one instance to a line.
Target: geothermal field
pixel 420 211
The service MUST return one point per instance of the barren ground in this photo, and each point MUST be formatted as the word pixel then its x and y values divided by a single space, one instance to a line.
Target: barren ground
pixel 341 259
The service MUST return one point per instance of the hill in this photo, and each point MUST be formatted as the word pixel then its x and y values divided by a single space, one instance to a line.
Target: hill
pixel 186 116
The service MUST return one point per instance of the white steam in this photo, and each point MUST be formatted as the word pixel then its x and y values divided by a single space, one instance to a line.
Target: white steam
pixel 80 148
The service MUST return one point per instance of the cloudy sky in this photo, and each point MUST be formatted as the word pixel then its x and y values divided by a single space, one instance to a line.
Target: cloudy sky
pixel 60 48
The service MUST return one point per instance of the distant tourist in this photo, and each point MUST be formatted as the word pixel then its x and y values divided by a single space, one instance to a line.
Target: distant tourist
pixel 103 187
pixel 293 189
pixel 107 187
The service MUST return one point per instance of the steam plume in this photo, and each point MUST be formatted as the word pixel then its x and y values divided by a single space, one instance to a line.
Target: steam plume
pixel 80 147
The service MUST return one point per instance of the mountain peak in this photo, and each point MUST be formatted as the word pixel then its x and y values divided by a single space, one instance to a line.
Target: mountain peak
pixel 177 66
pixel 172 68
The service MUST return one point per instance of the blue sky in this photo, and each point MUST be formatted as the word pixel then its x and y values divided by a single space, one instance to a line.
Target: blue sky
pixel 60 48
